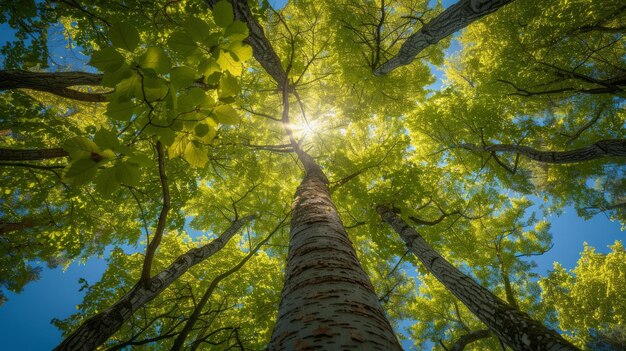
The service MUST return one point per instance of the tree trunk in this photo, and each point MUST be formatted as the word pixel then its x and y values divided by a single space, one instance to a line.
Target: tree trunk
pixel 454 18
pixel 515 328
pixel 97 329
pixel 55 83
pixel 602 148
pixel 31 155
pixel 328 302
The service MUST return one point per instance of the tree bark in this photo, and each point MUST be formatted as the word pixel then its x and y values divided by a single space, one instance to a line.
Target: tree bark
pixel 602 148
pixel 97 329
pixel 467 339
pixel 261 47
pixel 454 18
pixel 515 328
pixel 57 83
pixel 328 302
pixel 31 155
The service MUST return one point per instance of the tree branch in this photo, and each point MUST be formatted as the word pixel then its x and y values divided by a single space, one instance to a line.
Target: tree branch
pixel 32 154
pixel 455 17
pixel 156 240
pixel 599 149
pixel 57 83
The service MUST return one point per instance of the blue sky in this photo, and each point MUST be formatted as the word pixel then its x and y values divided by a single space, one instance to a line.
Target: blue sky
pixel 25 318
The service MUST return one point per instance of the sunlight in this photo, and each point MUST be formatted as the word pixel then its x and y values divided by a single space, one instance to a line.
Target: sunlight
pixel 305 129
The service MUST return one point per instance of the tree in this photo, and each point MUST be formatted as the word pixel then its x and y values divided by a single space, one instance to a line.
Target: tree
pixel 596 274
pixel 201 113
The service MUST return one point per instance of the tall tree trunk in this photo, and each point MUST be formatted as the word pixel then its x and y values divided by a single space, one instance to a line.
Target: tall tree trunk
pixel 97 329
pixel 55 83
pixel 328 302
pixel 602 148
pixel 454 18
pixel 515 328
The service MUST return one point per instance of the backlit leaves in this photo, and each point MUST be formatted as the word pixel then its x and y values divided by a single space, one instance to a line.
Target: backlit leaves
pixel 124 36
pixel 223 14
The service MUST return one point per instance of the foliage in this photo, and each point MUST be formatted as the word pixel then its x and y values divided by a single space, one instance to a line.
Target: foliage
pixel 589 299
pixel 179 76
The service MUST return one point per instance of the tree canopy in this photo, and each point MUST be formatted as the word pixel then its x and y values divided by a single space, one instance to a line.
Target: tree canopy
pixel 173 135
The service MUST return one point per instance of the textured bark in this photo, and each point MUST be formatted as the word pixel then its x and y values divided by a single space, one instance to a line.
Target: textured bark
pixel 515 328
pixel 31 155
pixel 55 83
pixel 467 339
pixel 454 18
pixel 599 149
pixel 261 47
pixel 328 302
pixel 100 327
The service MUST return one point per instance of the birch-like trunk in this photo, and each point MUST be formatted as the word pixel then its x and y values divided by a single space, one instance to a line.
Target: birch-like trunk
pixel 97 329
pixel 515 328
pixel 328 302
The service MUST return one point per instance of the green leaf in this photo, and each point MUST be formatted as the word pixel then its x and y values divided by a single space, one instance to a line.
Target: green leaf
pixel 106 139
pixel 197 29
pixel 127 173
pixel 141 160
pixel 106 182
pixel 124 35
pixel 165 135
pixel 229 63
pixel 80 147
pixel 237 31
pixel 154 88
pixel 212 40
pixel 182 44
pixel 157 59
pixel 195 98
pixel 211 130
pixel 240 51
pixel 121 110
pixel 228 86
pixel 195 155
pixel 223 14
pixel 201 130
pixel 107 60
pixel 81 171
pixel 108 154
pixel 226 114
pixel 112 78
pixel 178 146
pixel 210 70
pixel 182 77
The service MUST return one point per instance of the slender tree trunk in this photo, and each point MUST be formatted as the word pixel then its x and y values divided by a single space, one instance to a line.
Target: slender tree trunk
pixel 55 83
pixel 602 148
pixel 31 155
pixel 508 287
pixel 97 329
pixel 454 18
pixel 328 302
pixel 515 328
pixel 467 339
